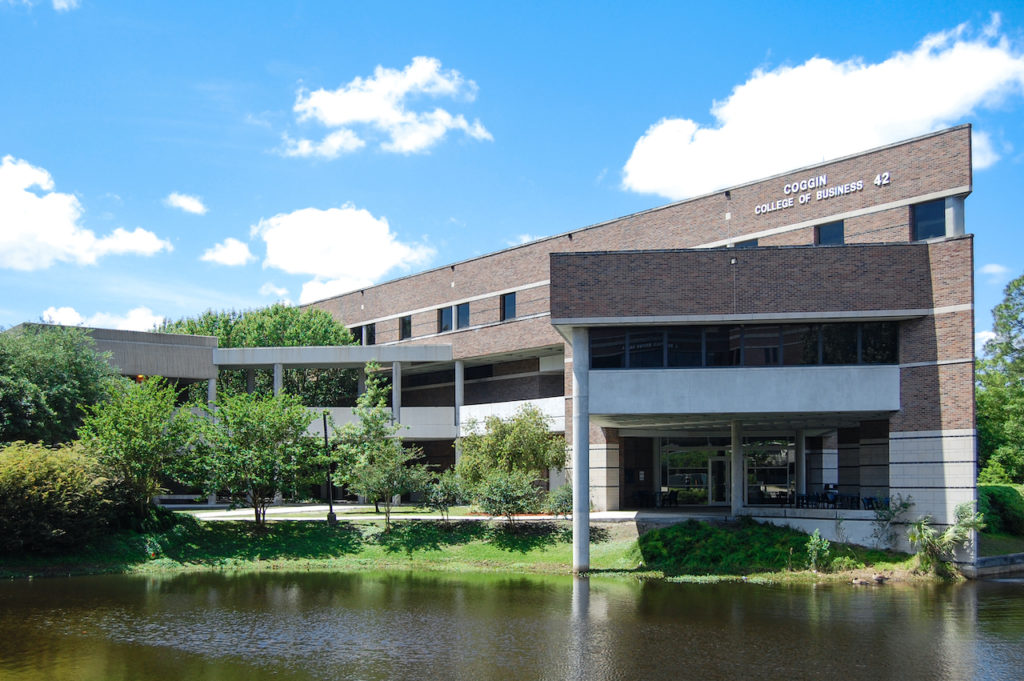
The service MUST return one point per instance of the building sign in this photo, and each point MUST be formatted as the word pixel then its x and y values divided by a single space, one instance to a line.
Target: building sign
pixel 815 188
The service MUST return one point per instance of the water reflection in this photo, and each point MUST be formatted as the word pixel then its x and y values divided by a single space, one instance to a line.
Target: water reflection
pixel 388 626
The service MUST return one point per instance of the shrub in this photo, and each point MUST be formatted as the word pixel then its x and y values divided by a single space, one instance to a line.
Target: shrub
pixel 886 517
pixel 1003 508
pixel 507 493
pixel 50 499
pixel 934 549
pixel 817 552
pixel 559 501
pixel 841 563
pixel 444 493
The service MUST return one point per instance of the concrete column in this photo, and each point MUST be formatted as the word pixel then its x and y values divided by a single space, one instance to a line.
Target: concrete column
pixel 360 381
pixel 460 398
pixel 738 482
pixel 580 449
pixel 801 463
pixel 278 378
pixel 954 216
pixel 211 391
pixel 396 390
pixel 250 380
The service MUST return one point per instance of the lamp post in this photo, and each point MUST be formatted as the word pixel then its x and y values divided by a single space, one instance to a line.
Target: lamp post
pixel 332 519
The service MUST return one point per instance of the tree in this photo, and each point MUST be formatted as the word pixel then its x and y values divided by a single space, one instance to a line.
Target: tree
pixel 999 391
pixel 522 443
pixel 253 446
pixel 136 435
pixel 935 548
pixel 48 375
pixel 379 466
pixel 278 326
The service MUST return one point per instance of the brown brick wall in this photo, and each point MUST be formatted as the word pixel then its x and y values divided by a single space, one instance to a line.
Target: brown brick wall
pixel 935 398
pixel 786 280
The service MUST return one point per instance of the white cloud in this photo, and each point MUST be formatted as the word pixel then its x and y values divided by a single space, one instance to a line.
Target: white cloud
pixel 980 339
pixel 231 252
pixel 269 289
pixel 65 5
pixel 995 273
pixel 137 319
pixel 795 116
pixel 186 202
pixel 522 239
pixel 39 226
pixel 379 103
pixel 343 248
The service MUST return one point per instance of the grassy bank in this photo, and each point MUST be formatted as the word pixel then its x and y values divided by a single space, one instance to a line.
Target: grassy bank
pixel 691 551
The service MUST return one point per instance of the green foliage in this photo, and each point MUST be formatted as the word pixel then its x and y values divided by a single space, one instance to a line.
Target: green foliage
pixel 887 517
pixel 507 493
pixel 48 374
pixel 136 435
pixel 1003 508
pixel 999 391
pixel 375 463
pixel 50 499
pixel 278 326
pixel 444 492
pixel 934 548
pixel 844 563
pixel 817 552
pixel 522 443
pixel 253 446
pixel 559 501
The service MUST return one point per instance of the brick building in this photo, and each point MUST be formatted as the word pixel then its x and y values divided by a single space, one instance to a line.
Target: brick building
pixel 795 348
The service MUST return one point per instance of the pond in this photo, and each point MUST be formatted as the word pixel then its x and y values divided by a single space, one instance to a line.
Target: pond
pixel 402 626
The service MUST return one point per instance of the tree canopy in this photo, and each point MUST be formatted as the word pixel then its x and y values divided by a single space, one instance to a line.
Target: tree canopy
pixel 1000 392
pixel 521 443
pixel 48 375
pixel 278 326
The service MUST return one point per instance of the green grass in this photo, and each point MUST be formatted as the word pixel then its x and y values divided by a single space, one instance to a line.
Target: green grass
pixel 998 544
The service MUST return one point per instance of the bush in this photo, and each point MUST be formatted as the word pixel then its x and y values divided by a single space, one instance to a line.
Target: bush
pixel 50 499
pixel 1003 508
pixel 817 551
pixel 935 548
pixel 843 563
pixel 559 501
pixel 507 493
pixel 444 493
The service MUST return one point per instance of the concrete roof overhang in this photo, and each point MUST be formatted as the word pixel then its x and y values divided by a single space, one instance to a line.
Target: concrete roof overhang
pixel 709 423
pixel 332 356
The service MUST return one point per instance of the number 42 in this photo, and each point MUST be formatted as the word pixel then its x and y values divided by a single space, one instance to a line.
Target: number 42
pixel 881 179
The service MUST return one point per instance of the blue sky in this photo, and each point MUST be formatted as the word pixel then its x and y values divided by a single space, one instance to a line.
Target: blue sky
pixel 160 159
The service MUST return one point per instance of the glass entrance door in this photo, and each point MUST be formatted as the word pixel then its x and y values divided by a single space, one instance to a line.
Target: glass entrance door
pixel 718 481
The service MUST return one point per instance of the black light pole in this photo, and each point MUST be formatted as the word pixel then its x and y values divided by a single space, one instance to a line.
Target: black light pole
pixel 331 518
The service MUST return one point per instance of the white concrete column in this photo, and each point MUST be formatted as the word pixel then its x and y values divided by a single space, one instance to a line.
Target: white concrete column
pixel 738 481
pixel 954 216
pixel 580 449
pixel 396 391
pixel 360 381
pixel 278 378
pixel 250 380
pixel 211 391
pixel 460 398
pixel 801 463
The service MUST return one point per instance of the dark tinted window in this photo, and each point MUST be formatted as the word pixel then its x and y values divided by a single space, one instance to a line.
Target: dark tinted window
pixel 717 349
pixel 444 319
pixel 646 348
pixel 761 346
pixel 929 219
pixel 607 348
pixel 830 234
pixel 684 346
pixel 508 306
pixel 799 344
pixel 879 343
pixel 752 243
pixel 405 327
pixel 370 334
pixel 462 315
pixel 839 344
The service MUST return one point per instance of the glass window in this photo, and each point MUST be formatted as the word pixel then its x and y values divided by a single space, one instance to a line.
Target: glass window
pixel 721 346
pixel 357 333
pixel 405 327
pixel 607 348
pixel 370 334
pixel 508 306
pixel 929 219
pixel 799 344
pixel 646 348
pixel 444 319
pixel 761 346
pixel 839 344
pixel 830 234
pixel 879 343
pixel 751 243
pixel 462 315
pixel 684 346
